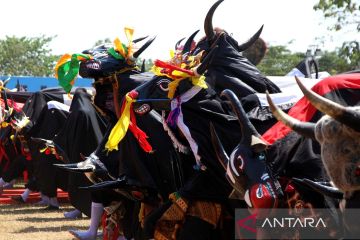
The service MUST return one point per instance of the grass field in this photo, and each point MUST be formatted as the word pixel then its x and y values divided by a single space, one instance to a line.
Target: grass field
pixel 31 222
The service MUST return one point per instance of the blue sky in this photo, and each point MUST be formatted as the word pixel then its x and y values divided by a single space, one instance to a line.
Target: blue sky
pixel 78 24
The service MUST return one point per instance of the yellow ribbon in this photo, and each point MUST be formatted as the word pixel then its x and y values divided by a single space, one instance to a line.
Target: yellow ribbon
pixel 199 81
pixel 119 47
pixel 43 150
pixel 129 32
pixel 195 80
pixel 172 87
pixel 119 130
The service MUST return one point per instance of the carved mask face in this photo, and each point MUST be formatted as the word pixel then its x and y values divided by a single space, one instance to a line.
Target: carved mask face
pixel 340 152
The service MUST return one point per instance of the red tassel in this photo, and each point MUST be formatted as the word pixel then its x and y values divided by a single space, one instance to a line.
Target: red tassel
pixel 133 94
pixel 141 137
pixel 136 131
pixel 139 134
pixel 103 223
pixel 47 151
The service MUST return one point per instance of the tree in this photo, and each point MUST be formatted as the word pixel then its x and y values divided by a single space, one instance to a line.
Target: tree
pixel 351 52
pixel 26 56
pixel 102 41
pixel 333 63
pixel 346 14
pixel 144 63
pixel 278 61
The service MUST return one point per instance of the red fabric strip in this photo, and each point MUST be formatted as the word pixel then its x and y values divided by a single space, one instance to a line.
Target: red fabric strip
pixel 304 111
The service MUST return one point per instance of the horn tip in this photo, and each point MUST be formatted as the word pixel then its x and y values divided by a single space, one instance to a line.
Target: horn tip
pixel 270 101
pixel 301 85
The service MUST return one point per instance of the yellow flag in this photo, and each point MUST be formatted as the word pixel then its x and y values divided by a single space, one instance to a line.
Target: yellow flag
pixel 129 32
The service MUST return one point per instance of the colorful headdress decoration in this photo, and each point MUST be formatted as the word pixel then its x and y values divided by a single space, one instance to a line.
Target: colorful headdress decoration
pixel 120 51
pixel 67 68
pixel 179 67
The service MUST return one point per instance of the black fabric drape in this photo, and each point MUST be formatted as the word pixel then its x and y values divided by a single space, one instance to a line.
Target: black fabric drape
pixel 82 132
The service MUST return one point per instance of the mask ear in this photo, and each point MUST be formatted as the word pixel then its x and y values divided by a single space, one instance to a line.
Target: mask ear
pixel 258 144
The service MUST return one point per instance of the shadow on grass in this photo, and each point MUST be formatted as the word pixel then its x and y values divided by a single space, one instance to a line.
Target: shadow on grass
pixel 48 219
pixel 28 209
pixel 50 229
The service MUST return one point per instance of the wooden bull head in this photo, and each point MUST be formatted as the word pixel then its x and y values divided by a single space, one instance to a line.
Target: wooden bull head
pixel 338 133
pixel 246 168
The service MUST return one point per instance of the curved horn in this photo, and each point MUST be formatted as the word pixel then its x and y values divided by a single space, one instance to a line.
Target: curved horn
pixel 188 43
pixel 345 115
pixel 80 167
pixel 247 129
pixel 80 170
pixel 208 27
pixel 206 61
pixel 306 129
pixel 106 185
pixel 143 66
pixel 143 47
pixel 65 166
pixel 251 41
pixel 318 187
pixel 42 140
pixel 219 149
pixel 177 45
pixel 139 39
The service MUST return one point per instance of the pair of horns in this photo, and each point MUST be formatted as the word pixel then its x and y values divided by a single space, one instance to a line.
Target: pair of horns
pixel 188 43
pixel 112 184
pixel 344 115
pixel 247 129
pixel 79 167
pixel 209 29
pixel 323 188
pixel 143 47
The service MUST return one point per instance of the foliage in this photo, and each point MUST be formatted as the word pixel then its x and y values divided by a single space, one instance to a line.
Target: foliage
pixel 102 41
pixel 278 61
pixel 26 56
pixel 332 63
pixel 351 52
pixel 347 14
pixel 148 63
pixel 344 11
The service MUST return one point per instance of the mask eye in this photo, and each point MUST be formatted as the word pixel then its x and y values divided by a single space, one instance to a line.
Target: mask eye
pixel 239 162
pixel 163 84
pixel 261 156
